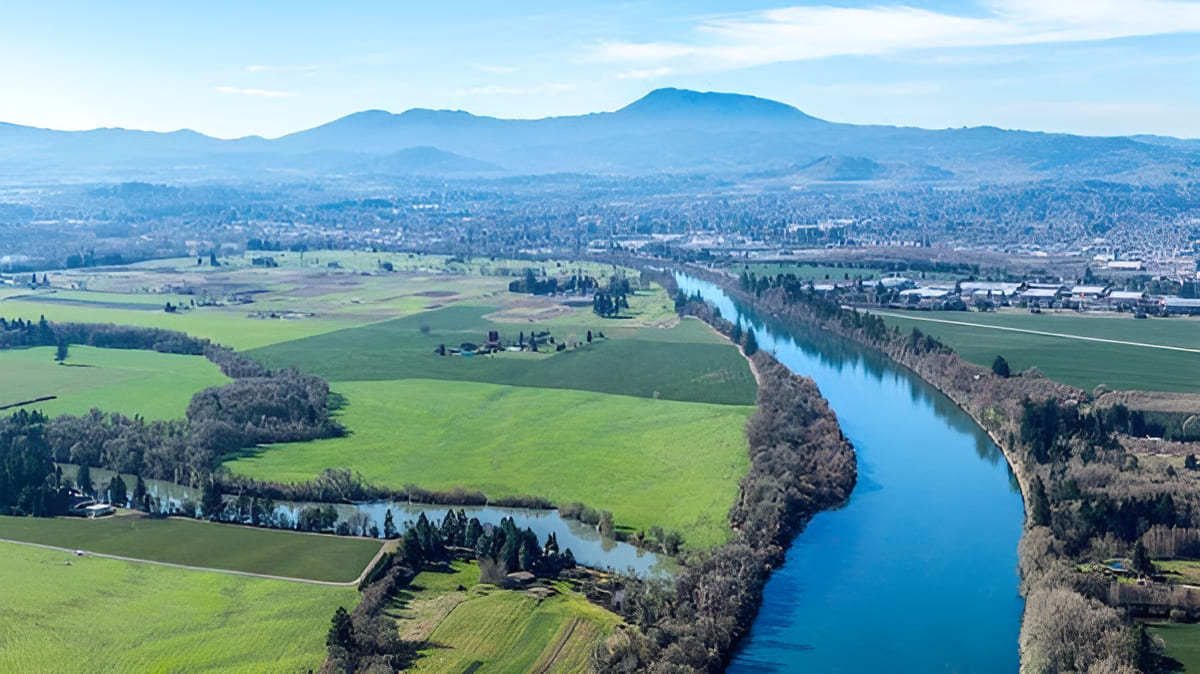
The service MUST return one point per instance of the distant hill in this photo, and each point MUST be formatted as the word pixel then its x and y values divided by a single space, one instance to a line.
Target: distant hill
pixel 668 130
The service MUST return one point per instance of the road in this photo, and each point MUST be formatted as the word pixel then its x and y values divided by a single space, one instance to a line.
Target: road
pixel 1034 332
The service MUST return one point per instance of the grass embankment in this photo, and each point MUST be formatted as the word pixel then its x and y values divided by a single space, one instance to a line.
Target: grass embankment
pixel 1073 361
pixel 216 546
pixel 154 385
pixel 484 629
pixel 651 462
pixel 101 615
pixel 686 362
pixel 1183 643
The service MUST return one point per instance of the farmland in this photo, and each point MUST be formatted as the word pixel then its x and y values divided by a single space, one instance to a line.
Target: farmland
pixel 101 615
pixel 650 462
pixel 484 629
pixel 1073 361
pixel 191 543
pixel 154 385
pixel 691 363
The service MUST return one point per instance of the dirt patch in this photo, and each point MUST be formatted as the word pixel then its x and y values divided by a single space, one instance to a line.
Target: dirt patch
pixel 435 293
pixel 1152 401
pixel 528 314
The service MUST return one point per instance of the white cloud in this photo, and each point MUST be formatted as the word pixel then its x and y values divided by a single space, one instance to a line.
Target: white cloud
pixel 803 33
pixel 500 70
pixel 261 93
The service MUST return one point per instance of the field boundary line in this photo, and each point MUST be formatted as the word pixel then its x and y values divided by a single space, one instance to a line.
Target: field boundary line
pixel 232 572
pixel 1038 332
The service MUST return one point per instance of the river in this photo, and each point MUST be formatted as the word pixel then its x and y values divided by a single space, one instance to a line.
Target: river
pixel 918 572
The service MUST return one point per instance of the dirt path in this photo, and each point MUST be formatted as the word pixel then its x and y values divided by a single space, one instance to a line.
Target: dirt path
pixel 1037 332
pixel 353 583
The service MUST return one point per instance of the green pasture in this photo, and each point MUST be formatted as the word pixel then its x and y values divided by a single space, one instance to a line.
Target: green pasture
pixel 224 325
pixel 687 362
pixel 484 629
pixel 154 385
pixel 1183 643
pixel 86 614
pixel 203 544
pixel 1081 363
pixel 651 462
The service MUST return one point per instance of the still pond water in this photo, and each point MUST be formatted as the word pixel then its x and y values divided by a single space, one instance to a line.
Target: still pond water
pixel 918 572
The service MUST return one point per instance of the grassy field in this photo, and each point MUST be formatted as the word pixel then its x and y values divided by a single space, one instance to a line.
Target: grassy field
pixel 217 546
pixel 483 629
pixel 685 362
pixel 650 462
pixel 1179 570
pixel 1183 643
pixel 100 615
pixel 154 385
pixel 1080 363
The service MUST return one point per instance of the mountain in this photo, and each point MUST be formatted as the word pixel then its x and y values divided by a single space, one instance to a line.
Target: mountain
pixel 668 130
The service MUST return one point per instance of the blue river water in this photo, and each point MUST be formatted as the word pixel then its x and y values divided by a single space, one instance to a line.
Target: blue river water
pixel 918 572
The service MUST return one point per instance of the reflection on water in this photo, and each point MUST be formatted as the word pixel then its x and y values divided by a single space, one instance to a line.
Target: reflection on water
pixel 917 573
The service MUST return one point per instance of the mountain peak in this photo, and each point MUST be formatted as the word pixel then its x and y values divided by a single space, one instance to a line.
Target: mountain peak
pixel 686 102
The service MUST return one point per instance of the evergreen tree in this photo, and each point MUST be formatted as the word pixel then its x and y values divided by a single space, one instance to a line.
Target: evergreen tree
pixel 389 526
pixel 751 346
pixel 735 333
pixel 60 353
pixel 1189 462
pixel 1000 367
pixel 1141 559
pixel 83 479
pixel 117 492
pixel 341 632
pixel 1041 504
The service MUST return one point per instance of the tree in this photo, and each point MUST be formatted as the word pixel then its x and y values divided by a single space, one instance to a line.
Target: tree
pixel 1189 462
pixel 1141 559
pixel 212 260
pixel 751 346
pixel 141 497
pixel 117 492
pixel 735 333
pixel 1041 504
pixel 341 632
pixel 389 526
pixel 60 353
pixel 83 479
pixel 1000 367
pixel 589 336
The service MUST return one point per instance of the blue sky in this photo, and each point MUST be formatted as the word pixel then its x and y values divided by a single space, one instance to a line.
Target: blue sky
pixel 229 69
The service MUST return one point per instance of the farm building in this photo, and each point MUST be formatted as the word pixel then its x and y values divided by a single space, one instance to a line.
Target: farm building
pixel 1178 306
pixel 1125 299
pixel 1044 296
pixel 982 288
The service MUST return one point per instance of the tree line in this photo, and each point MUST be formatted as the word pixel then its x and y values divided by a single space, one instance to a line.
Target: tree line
pixel 800 464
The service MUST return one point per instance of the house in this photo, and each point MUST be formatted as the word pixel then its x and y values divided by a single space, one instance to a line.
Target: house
pixel 1087 293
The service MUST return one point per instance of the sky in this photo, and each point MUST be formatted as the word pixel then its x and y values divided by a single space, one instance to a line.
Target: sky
pixel 230 69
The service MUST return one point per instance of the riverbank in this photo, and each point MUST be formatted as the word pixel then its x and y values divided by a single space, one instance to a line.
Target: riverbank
pixel 1083 496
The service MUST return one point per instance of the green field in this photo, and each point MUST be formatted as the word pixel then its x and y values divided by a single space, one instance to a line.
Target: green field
pixel 154 385
pixel 1085 364
pixel 192 543
pixel 483 629
pixel 686 362
pixel 650 462
pixel 1183 643
pixel 100 615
